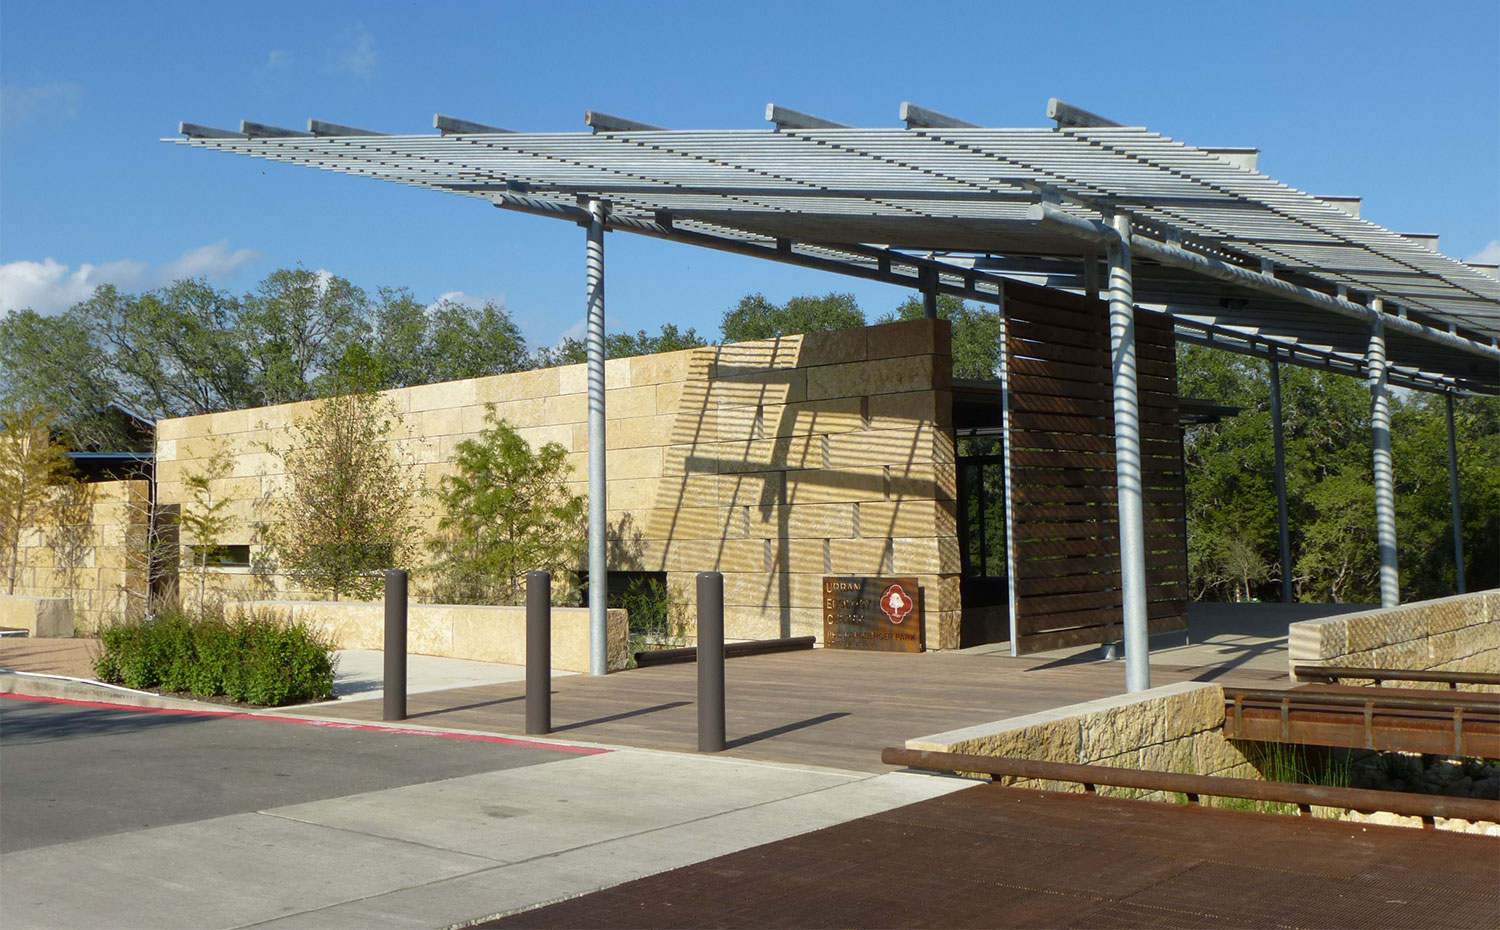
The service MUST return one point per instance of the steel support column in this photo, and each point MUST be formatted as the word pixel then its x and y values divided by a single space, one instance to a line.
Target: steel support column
pixel 1128 460
pixel 1458 524
pixel 1280 467
pixel 598 563
pixel 929 279
pixel 1385 483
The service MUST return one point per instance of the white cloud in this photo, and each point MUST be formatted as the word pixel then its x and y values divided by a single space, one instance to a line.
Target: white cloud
pixel 212 261
pixel 50 287
pixel 1489 255
pixel 354 54
pixel 20 105
pixel 472 301
pixel 277 60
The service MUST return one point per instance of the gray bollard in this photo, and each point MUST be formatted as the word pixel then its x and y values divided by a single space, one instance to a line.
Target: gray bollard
pixel 395 645
pixel 538 652
pixel 710 662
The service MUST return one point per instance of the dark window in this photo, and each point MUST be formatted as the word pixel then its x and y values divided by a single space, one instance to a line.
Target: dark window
pixel 221 556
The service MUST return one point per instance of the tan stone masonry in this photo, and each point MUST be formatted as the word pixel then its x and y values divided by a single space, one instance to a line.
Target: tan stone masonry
pixel 775 462
pixel 1459 634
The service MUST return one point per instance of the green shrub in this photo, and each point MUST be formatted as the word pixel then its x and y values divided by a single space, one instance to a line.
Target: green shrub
pixel 254 658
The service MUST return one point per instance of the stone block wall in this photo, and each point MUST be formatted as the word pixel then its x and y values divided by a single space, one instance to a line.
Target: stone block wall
pixel 1460 634
pixel 1174 728
pixel 775 462
pixel 93 552
pixel 484 634
pixel 38 616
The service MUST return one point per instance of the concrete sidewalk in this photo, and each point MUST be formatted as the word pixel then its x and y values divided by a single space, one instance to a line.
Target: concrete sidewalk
pixel 431 854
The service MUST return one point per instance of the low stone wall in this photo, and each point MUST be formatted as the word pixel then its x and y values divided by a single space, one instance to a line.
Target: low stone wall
pixel 1173 728
pixel 484 634
pixel 38 616
pixel 1459 634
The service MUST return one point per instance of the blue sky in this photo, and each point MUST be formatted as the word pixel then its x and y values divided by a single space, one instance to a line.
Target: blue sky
pixel 1397 102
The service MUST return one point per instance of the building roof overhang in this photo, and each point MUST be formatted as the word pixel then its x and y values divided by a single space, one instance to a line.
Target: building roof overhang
pixel 1237 258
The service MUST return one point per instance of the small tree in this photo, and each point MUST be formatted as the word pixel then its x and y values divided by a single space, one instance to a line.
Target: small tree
pixel 31 467
pixel 506 511
pixel 204 518
pixel 348 510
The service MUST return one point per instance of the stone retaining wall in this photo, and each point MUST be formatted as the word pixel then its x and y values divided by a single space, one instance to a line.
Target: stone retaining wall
pixel 1460 633
pixel 38 616
pixel 484 634
pixel 1174 728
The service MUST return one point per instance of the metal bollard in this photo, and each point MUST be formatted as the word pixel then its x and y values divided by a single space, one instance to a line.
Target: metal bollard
pixel 538 652
pixel 710 662
pixel 395 645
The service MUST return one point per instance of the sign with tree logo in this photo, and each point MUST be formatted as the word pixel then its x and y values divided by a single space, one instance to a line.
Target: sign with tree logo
pixel 883 614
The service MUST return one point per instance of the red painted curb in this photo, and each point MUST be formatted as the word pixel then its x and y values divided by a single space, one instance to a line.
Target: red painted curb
pixel 332 724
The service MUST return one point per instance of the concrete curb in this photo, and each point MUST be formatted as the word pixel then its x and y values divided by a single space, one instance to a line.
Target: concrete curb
pixel 27 684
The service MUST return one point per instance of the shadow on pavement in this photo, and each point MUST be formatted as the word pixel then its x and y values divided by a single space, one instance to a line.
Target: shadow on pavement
pixel 34 722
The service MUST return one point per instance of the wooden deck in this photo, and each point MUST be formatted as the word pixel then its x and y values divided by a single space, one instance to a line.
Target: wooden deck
pixel 818 707
pixel 1006 857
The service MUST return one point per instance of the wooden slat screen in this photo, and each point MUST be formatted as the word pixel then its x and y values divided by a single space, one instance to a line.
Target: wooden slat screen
pixel 1062 471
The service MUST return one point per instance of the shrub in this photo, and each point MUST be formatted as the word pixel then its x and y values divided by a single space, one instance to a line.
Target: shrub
pixel 254 658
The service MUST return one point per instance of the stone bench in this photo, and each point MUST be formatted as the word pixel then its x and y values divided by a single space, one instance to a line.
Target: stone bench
pixel 38 616
pixel 458 631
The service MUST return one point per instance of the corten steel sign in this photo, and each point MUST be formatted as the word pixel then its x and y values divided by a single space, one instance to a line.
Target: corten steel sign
pixel 872 613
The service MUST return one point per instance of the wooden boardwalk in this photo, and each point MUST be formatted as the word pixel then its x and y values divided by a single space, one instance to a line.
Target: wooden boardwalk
pixel 1006 857
pixel 819 707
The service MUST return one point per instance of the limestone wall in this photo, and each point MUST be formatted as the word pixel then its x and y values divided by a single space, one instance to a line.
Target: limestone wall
pixel 93 552
pixel 38 616
pixel 1460 633
pixel 774 462
pixel 484 634
pixel 1174 728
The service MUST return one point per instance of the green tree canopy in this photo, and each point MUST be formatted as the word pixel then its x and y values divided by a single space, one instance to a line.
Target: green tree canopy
pixel 506 510
pixel 189 349
pixel 621 345
pixel 348 508
pixel 756 317
pixel 1231 490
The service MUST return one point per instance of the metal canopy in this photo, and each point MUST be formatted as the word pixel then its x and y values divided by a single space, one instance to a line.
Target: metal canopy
pixel 1238 258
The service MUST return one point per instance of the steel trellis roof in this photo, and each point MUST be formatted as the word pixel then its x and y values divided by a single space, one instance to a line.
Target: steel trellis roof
pixel 893 204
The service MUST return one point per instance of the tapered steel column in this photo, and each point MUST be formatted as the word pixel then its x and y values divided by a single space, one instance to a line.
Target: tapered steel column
pixel 1458 523
pixel 598 563
pixel 929 280
pixel 1280 467
pixel 1128 460
pixel 1385 482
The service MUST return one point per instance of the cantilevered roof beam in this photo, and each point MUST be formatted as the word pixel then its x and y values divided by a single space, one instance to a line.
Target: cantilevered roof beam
pixel 1071 117
pixel 267 131
pixel 787 118
pixel 452 126
pixel 319 128
pixel 194 131
pixel 603 122
pixel 1100 233
pixel 916 117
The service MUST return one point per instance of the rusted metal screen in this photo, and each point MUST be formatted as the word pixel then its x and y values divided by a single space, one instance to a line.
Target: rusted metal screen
pixel 1065 525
